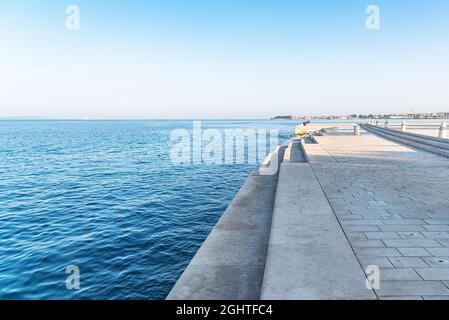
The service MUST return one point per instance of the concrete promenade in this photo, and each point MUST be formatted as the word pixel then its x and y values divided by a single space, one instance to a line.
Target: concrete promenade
pixel 393 205
pixel 310 231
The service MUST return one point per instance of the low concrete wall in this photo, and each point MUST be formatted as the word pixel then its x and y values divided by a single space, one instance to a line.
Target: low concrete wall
pixel 432 141
pixel 405 138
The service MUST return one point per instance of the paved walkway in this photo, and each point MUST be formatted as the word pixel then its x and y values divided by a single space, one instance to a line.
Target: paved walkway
pixel 393 205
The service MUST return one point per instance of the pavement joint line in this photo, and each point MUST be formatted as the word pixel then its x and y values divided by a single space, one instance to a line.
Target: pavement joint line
pixel 339 223
pixel 446 283
pixel 419 273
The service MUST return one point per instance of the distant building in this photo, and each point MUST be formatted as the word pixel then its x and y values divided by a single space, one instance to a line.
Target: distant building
pixel 433 115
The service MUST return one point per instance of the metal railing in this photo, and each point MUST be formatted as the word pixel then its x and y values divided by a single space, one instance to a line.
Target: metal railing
pixel 405 126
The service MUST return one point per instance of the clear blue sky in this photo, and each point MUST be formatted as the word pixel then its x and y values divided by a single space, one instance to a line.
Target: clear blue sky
pixel 222 59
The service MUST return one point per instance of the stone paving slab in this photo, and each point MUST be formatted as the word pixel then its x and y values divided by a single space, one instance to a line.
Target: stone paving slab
pixel 433 273
pixel 435 297
pixel 414 252
pixel 380 262
pixel 402 298
pixel 437 262
pixel 443 252
pixel 412 288
pixel 411 243
pixel 399 274
pixel 398 198
pixel 408 262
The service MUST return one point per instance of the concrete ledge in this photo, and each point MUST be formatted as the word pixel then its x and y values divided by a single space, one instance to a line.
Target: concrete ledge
pixel 308 256
pixel 270 166
pixel 316 154
pixel 419 137
pixel 428 140
pixel 230 263
pixel 294 152
pixel 405 138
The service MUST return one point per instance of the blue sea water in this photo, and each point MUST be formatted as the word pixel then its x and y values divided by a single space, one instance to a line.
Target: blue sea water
pixel 104 196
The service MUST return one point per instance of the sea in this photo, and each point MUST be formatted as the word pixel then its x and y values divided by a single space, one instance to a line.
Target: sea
pixel 100 209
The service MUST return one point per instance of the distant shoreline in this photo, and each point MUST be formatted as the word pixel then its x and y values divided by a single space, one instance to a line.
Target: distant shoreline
pixel 130 119
pixel 229 119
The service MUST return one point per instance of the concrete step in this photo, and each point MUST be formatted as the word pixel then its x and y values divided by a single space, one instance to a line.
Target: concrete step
pixel 308 255
pixel 429 140
pixel 424 143
pixel 295 152
pixel 442 142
